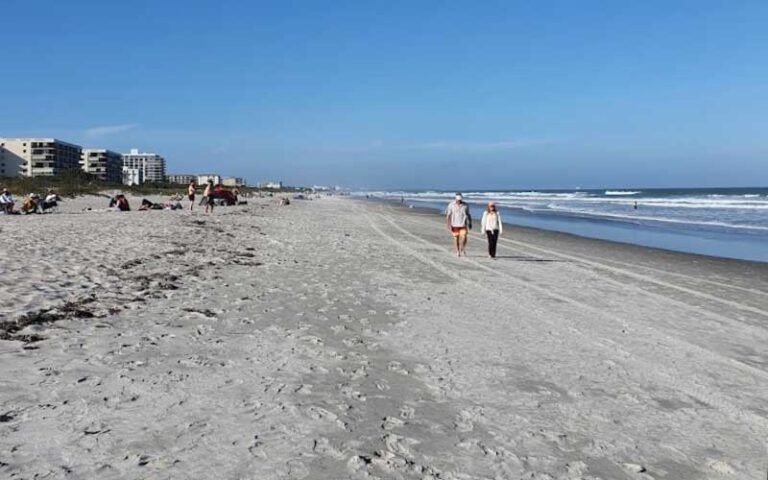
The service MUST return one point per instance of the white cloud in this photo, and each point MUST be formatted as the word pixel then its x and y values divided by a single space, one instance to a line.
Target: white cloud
pixel 106 130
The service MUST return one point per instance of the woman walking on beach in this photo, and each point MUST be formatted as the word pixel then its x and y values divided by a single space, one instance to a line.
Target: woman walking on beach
pixel 208 197
pixel 191 195
pixel 491 226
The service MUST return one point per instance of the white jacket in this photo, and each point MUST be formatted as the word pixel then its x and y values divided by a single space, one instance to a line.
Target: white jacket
pixel 488 223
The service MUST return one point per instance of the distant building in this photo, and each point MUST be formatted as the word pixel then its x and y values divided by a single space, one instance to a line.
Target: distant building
pixel 35 157
pixel 181 178
pixel 133 176
pixel 10 163
pixel 271 185
pixel 204 177
pixel 151 165
pixel 104 164
pixel 233 182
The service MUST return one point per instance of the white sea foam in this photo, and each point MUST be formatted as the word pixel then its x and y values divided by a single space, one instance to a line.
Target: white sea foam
pixel 622 192
pixel 645 218
pixel 741 211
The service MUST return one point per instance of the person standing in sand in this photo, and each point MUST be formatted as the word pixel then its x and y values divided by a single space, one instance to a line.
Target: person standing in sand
pixel 208 197
pixel 492 227
pixel 191 195
pixel 458 221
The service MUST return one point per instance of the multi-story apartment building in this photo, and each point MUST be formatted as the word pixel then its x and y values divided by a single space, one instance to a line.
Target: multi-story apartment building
pixel 33 157
pixel 106 165
pixel 233 182
pixel 181 178
pixel 10 163
pixel 271 185
pixel 133 176
pixel 204 177
pixel 152 165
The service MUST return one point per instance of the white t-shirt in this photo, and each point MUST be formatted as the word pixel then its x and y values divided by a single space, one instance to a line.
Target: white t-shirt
pixel 491 221
pixel 459 213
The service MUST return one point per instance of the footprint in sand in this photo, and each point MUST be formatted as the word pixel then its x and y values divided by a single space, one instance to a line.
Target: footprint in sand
pixel 399 445
pixel 323 446
pixel 304 389
pixel 319 413
pixel 395 366
pixel 407 412
pixel 349 392
pixel 390 423
pixel 463 422
pixel 720 467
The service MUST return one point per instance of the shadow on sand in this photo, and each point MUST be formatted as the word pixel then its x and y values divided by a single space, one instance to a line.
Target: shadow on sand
pixel 523 258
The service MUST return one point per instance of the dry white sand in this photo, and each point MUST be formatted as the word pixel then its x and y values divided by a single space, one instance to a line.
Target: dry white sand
pixel 340 339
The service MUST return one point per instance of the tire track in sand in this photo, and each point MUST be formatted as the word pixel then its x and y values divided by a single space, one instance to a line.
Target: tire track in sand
pixel 722 319
pixel 659 374
pixel 645 278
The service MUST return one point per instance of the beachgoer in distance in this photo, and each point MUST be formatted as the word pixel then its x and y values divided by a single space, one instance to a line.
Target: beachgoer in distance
pixel 491 226
pixel 6 201
pixel 29 204
pixel 208 197
pixel 191 195
pixel 458 221
pixel 51 200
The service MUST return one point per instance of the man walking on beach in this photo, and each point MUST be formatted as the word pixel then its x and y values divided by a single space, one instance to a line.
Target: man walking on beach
pixel 458 221
pixel 191 189
pixel 208 197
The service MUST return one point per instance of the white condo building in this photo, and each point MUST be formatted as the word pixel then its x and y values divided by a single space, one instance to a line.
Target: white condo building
pixel 271 185
pixel 35 157
pixel 133 176
pixel 181 178
pixel 152 165
pixel 203 178
pixel 104 164
pixel 233 182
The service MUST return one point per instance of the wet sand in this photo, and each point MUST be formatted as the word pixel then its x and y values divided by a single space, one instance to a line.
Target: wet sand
pixel 337 338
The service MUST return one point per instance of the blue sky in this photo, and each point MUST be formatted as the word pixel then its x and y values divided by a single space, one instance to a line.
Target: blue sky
pixel 410 94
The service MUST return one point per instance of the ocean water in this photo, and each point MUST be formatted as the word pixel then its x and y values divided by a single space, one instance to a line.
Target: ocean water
pixel 726 222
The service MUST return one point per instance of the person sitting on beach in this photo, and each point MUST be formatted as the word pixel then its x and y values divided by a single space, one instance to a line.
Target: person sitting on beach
pixel 458 221
pixel 6 202
pixel 173 203
pixel 491 226
pixel 30 203
pixel 120 202
pixel 147 205
pixel 50 201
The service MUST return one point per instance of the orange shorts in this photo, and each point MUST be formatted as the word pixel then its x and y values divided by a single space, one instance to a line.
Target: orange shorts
pixel 459 231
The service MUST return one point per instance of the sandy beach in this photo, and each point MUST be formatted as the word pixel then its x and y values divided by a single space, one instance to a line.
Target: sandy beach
pixel 338 338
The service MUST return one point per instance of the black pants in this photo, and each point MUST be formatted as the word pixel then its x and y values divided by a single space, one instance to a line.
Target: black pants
pixel 493 239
